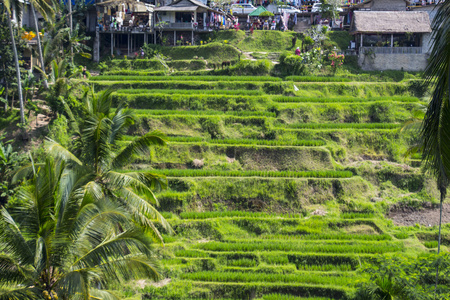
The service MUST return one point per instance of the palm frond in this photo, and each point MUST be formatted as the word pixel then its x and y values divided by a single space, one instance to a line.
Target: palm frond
pixel 143 183
pixel 13 242
pixel 140 145
pixel 11 271
pixel 22 294
pixel 55 149
pixel 95 139
pixel 121 120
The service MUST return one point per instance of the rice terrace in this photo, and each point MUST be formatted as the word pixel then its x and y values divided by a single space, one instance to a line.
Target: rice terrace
pixel 216 158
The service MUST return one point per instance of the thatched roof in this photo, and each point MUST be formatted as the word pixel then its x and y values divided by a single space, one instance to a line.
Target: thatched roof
pixel 390 22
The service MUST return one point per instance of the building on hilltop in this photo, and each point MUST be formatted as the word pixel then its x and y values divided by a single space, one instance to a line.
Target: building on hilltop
pixel 182 18
pixel 388 36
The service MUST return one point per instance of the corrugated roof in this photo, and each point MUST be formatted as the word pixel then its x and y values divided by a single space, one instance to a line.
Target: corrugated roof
pixel 391 22
pixel 183 5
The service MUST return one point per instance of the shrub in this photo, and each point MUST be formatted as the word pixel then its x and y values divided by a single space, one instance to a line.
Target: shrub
pixel 255 68
pixel 291 64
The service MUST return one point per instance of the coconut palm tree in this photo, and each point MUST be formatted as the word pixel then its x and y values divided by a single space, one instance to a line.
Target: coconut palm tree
pixel 436 125
pixel 435 132
pixel 47 9
pixel 17 5
pixel 98 154
pixel 59 243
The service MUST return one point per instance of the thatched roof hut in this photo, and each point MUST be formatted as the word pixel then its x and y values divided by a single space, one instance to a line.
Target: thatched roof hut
pixel 388 22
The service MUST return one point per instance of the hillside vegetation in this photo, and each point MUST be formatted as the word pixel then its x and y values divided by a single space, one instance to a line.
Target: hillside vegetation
pixel 278 189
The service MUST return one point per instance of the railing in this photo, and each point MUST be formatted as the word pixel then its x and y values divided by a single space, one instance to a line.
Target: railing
pixel 179 25
pixel 391 50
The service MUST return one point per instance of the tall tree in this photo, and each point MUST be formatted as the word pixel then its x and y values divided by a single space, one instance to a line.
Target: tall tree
pixel 97 153
pixel 15 4
pixel 47 10
pixel 59 243
pixel 435 131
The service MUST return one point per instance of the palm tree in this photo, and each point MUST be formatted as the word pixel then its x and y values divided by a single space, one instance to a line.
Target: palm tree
pixel 59 243
pixel 435 132
pixel 97 153
pixel 17 6
pixel 47 10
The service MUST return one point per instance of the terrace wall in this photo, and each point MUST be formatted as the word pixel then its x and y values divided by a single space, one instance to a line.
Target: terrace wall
pixel 380 62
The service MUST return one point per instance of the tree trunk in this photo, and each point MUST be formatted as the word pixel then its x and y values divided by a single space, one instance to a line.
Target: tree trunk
pixel 16 61
pixel 41 57
pixel 443 192
pixel 6 97
pixel 71 29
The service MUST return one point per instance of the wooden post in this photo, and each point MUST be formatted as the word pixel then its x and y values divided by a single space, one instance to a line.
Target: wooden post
pixel 128 43
pixel 360 46
pixel 192 37
pixel 174 37
pixel 392 40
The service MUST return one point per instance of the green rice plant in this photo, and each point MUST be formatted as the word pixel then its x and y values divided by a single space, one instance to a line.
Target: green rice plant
pixel 317 79
pixel 229 214
pixel 326 268
pixel 125 72
pixel 401 235
pixel 303 259
pixel 307 247
pixel 291 99
pixel 190 253
pixel 290 297
pixel 431 244
pixel 183 78
pixel 196 102
pixel 342 126
pixel 190 92
pixel 270 174
pixel 181 84
pixel 303 277
pixel 357 215
pixel 330 236
pixel 237 142
pixel 243 113
pixel 243 262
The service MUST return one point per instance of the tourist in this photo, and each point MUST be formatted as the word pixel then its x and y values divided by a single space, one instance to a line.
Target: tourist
pixel 297 51
pixel 84 72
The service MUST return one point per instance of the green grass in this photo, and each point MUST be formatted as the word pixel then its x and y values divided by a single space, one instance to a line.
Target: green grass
pixel 190 92
pixel 269 174
pixel 183 78
pixel 345 247
pixel 228 214
pixel 431 244
pixel 291 99
pixel 243 113
pixel 342 126
pixel 237 142
pixel 317 79
pixel 304 277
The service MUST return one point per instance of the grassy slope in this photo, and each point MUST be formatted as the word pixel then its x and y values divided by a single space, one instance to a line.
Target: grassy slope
pixel 270 236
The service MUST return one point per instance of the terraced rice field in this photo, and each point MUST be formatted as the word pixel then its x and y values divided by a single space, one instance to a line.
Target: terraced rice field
pixel 264 195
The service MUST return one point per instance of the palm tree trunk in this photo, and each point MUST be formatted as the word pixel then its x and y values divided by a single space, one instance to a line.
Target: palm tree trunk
pixel 41 57
pixel 16 61
pixel 439 237
pixel 71 28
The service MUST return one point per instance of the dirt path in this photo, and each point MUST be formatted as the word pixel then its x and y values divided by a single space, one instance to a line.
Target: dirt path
pixel 427 216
